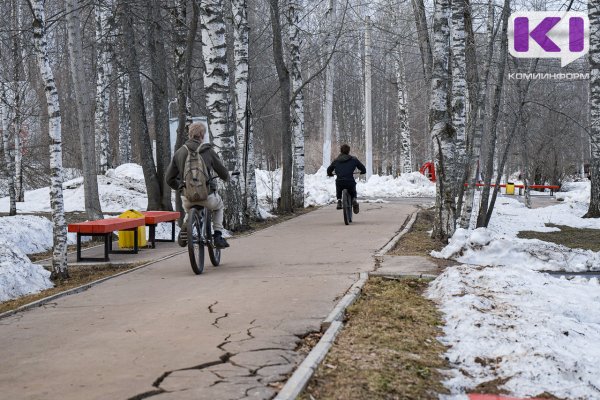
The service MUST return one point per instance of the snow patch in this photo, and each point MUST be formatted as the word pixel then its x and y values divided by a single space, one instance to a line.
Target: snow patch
pixel 512 322
pixel 18 275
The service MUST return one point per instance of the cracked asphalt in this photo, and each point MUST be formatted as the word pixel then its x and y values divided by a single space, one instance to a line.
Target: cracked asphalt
pixel 162 332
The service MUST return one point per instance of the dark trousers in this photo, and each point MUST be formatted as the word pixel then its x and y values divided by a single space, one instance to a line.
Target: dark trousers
pixel 341 185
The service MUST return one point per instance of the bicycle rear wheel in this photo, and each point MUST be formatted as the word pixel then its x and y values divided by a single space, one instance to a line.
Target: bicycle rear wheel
pixel 195 240
pixel 346 206
pixel 213 253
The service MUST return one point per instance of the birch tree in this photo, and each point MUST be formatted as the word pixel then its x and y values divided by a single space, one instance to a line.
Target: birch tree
pixel 19 89
pixel 84 111
pixel 59 254
pixel 405 144
pixel 329 79
pixel 286 201
pixel 442 132
pixel 103 76
pixel 216 81
pixel 8 157
pixel 297 103
pixel 492 125
pixel 594 96
pixel 423 37
pixel 240 59
pixel 459 90
pixel 125 153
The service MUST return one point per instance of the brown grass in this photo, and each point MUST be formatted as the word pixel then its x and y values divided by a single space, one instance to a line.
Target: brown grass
pixel 575 238
pixel 418 241
pixel 388 349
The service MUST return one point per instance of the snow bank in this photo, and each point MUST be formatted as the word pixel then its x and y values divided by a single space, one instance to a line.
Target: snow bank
pixel 498 244
pixel 120 189
pixel 575 191
pixel 18 275
pixel 532 329
pixel 319 189
pixel 482 247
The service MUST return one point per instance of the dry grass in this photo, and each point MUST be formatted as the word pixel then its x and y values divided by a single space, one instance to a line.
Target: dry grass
pixel 79 276
pixel 418 241
pixel 388 349
pixel 575 238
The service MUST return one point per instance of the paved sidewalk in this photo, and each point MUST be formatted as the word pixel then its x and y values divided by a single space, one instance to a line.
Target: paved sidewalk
pixel 165 333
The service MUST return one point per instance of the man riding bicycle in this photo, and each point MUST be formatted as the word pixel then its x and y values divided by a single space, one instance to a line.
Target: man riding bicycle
pixel 344 166
pixel 175 180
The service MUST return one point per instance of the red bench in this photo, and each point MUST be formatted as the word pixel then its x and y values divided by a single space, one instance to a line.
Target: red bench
pixel 153 218
pixel 105 228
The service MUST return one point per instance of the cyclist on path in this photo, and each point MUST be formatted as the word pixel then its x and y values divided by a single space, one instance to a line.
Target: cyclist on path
pixel 344 166
pixel 175 180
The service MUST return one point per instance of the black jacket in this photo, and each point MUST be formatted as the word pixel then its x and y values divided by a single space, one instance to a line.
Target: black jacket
pixel 344 166
pixel 211 159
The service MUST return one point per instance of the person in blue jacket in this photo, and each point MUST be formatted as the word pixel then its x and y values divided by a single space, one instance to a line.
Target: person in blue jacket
pixel 344 166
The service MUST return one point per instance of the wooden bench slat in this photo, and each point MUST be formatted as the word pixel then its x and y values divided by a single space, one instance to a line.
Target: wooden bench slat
pixel 106 225
pixel 155 217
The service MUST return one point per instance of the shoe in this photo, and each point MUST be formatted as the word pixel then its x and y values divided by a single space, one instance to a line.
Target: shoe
pixel 339 205
pixel 355 207
pixel 182 238
pixel 219 240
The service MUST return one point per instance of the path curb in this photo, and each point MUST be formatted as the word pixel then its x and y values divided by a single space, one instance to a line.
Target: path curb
pixel 390 245
pixel 298 381
pixel 332 325
pixel 81 288
pixel 337 314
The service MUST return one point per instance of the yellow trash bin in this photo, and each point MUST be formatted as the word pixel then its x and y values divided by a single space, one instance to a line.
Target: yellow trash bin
pixel 510 188
pixel 126 237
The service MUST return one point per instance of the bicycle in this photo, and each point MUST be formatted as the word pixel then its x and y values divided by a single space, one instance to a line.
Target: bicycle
pixel 200 235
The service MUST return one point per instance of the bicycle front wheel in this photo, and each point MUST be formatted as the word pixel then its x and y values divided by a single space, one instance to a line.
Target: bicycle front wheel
pixel 195 240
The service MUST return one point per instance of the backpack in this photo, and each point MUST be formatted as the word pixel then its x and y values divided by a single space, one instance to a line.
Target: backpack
pixel 195 176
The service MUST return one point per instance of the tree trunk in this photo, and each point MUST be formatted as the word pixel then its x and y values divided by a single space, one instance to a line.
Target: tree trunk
pixel 405 142
pixel 84 112
pixel 489 167
pixel 459 89
pixel 423 37
pixel 594 94
pixel 297 103
pixel 251 194
pixel 125 152
pixel 139 124
pixel 19 88
pixel 8 157
pixel 103 75
pixel 59 254
pixel 216 80
pixel 479 113
pixel 240 57
pixel 442 133
pixel 329 80
pixel 160 101
pixel 285 203
pixel 368 105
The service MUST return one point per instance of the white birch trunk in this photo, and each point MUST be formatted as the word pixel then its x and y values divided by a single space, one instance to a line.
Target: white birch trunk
pixel 251 194
pixel 59 254
pixel 442 133
pixel 329 80
pixel 103 74
pixel 405 142
pixel 240 57
pixel 297 104
pixel 459 90
pixel 594 94
pixel 216 80
pixel 125 152
pixel 368 108
pixel 8 157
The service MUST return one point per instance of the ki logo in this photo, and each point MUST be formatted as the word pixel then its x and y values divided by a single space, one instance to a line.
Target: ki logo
pixel 548 34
